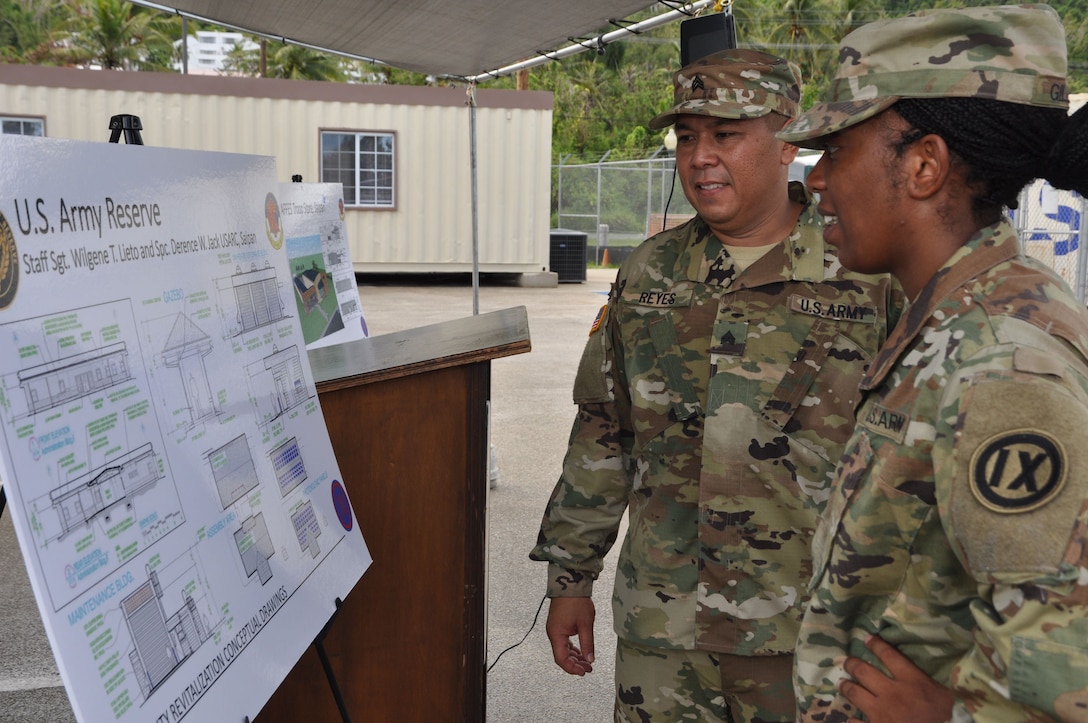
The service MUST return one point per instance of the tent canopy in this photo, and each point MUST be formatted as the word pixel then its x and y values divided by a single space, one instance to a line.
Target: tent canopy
pixel 459 38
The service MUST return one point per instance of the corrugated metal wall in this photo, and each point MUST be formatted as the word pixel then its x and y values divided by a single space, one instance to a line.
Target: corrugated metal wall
pixel 431 227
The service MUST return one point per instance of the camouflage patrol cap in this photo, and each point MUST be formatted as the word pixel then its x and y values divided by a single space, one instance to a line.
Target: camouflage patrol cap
pixel 734 84
pixel 1012 53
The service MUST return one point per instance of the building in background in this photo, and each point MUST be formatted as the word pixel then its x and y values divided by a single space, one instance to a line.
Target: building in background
pixel 208 50
pixel 403 153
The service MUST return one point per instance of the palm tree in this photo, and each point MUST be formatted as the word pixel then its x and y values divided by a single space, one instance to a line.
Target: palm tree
pixel 286 61
pixel 299 63
pixel 26 28
pixel 116 36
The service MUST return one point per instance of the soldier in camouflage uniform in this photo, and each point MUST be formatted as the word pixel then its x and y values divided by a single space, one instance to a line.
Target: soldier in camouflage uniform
pixel 714 396
pixel 951 564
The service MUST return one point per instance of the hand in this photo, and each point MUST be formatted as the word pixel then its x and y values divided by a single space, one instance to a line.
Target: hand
pixel 567 617
pixel 908 696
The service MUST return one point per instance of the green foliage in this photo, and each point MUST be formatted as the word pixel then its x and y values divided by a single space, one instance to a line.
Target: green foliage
pixel 283 61
pixel 26 29
pixel 115 35
pixel 603 102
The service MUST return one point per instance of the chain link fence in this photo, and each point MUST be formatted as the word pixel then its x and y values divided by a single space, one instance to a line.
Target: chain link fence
pixel 619 203
pixel 1051 225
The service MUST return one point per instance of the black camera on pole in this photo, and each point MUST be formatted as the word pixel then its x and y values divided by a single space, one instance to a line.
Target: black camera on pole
pixel 699 37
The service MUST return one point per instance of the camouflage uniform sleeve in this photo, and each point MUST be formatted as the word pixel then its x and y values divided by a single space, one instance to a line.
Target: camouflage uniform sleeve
pixel 583 515
pixel 1012 473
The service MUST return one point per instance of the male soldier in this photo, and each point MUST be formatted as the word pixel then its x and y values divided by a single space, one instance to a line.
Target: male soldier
pixel 714 395
pixel 952 559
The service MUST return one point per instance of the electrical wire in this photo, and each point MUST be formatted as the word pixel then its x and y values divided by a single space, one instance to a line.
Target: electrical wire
pixel 672 188
pixel 523 639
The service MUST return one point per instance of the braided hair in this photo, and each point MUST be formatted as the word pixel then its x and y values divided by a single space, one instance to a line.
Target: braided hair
pixel 1004 146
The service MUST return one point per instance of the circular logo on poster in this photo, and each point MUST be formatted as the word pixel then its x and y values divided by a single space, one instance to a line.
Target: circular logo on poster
pixel 9 264
pixel 1018 471
pixel 342 505
pixel 272 225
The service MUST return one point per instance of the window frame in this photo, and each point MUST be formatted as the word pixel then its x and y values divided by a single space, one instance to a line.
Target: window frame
pixel 4 117
pixel 358 170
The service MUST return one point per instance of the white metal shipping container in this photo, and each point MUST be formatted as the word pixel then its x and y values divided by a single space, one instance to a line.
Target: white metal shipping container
pixel 426 224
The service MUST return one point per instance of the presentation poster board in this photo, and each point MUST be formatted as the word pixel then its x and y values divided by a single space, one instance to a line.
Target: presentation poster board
pixel 168 469
pixel 322 275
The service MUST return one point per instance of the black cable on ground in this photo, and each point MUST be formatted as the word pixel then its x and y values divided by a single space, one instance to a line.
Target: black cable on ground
pixel 523 639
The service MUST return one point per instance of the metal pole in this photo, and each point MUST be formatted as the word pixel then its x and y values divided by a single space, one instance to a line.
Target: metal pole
pixel 475 201
pixel 649 190
pixel 601 41
pixel 599 168
pixel 1082 252
pixel 559 193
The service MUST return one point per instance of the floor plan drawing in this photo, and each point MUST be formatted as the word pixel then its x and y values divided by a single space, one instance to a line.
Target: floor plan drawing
pixel 288 465
pixel 233 470
pixel 255 547
pixel 307 529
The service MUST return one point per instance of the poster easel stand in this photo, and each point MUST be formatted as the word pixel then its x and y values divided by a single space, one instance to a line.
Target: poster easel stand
pixel 129 125
pixel 319 645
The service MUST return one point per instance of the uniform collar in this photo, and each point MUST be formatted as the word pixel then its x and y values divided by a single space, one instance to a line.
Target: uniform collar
pixel 988 247
pixel 800 256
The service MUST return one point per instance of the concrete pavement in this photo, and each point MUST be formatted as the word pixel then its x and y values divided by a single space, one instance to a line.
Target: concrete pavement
pixel 530 421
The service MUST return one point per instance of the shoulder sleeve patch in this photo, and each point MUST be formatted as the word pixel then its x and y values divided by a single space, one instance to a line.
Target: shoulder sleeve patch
pixel 1021 474
pixel 593 382
pixel 1018 471
pixel 598 321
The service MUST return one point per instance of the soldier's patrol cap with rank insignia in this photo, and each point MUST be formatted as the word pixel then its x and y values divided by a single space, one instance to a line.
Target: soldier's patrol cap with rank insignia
pixel 734 84
pixel 1011 53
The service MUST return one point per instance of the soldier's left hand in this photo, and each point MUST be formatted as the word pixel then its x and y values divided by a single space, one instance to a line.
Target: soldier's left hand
pixel 907 696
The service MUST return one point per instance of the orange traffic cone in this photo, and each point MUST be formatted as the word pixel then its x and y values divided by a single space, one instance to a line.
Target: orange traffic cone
pixel 604 258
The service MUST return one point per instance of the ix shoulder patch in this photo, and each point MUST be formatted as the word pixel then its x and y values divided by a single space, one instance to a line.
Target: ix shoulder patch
pixel 1018 471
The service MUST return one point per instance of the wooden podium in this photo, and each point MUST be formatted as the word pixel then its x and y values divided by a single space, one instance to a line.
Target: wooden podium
pixel 407 414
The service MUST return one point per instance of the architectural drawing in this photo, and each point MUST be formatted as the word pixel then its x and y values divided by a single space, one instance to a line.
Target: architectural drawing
pixel 278 383
pixel 257 297
pixel 161 639
pixel 53 383
pixel 233 470
pixel 312 286
pixel 97 492
pixel 307 530
pixel 288 465
pixel 185 350
pixel 255 546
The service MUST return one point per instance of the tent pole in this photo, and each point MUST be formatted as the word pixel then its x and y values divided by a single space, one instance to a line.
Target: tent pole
pixel 475 203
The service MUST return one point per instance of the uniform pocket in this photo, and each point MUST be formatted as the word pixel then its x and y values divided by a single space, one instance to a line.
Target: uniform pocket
pixel 816 398
pixel 865 542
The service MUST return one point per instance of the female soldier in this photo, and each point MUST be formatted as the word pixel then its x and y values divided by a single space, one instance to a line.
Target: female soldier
pixel 951 566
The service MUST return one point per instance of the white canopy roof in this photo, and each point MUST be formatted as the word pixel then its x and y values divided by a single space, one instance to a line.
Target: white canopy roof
pixel 463 38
